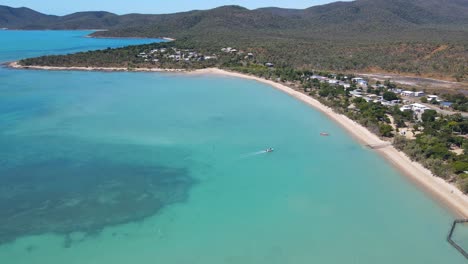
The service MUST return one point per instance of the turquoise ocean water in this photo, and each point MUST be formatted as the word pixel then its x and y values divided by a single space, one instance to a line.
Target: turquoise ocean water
pixel 168 168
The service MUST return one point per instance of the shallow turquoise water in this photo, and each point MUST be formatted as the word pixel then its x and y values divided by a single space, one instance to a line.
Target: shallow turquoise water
pixel 18 44
pixel 93 142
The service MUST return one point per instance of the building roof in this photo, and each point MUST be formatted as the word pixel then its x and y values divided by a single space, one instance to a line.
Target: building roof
pixel 419 105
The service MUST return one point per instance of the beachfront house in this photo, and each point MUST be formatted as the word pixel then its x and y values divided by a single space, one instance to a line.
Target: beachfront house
pixel 392 103
pixel 419 107
pixel 407 93
pixel 360 81
pixel 345 85
pixel 396 90
pixel 356 93
pixel 406 108
pixel 320 78
pixel 433 97
pixel 229 50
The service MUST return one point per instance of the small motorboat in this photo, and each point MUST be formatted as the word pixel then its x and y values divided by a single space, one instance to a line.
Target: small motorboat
pixel 324 134
pixel 269 150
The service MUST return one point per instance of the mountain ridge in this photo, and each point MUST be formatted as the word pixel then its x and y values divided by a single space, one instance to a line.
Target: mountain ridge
pixel 397 14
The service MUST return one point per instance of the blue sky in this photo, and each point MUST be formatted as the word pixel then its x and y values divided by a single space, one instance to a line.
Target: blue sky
pixel 61 7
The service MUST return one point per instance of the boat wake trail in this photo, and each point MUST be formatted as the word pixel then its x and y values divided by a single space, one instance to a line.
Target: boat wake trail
pixel 254 154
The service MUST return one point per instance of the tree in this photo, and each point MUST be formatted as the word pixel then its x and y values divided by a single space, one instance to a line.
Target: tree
pixel 390 96
pixel 424 99
pixel 453 126
pixel 386 130
pixel 389 84
pixel 429 116
pixel 460 166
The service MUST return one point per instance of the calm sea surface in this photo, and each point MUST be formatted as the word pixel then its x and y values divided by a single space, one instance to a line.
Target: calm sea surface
pixel 168 168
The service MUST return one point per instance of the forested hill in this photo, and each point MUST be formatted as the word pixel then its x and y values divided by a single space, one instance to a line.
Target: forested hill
pixel 361 16
pixel 428 37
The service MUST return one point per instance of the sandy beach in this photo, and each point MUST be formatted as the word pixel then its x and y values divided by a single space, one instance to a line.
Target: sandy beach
pixel 16 65
pixel 439 189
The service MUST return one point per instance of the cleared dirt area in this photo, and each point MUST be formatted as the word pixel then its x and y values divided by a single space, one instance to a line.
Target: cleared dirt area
pixel 420 82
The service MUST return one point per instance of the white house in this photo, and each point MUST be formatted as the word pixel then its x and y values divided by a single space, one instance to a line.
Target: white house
pixel 320 78
pixel 433 97
pixel 418 94
pixel 406 108
pixel 345 85
pixel 396 90
pixel 359 81
pixel 356 93
pixel 407 93
pixel 419 107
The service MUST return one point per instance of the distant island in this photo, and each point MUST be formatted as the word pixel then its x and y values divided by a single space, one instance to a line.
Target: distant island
pixel 314 52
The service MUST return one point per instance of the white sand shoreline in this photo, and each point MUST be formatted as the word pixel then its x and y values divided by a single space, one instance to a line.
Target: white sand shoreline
pixel 15 65
pixel 437 187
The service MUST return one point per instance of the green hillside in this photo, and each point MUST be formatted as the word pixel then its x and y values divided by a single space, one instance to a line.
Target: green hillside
pixel 426 37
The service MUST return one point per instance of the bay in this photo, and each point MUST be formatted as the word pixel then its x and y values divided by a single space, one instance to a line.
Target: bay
pixel 169 168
